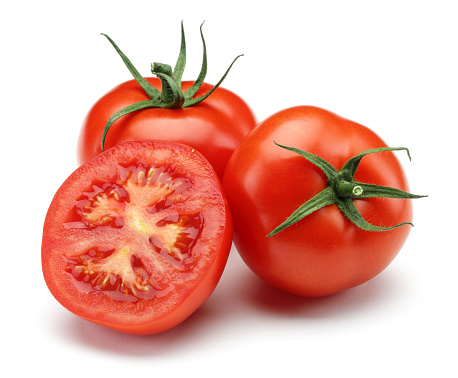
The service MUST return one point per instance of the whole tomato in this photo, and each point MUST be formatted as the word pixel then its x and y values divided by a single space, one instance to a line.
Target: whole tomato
pixel 211 119
pixel 344 234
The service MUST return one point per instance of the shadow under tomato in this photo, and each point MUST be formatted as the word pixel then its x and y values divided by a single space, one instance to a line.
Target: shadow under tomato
pixel 109 341
pixel 376 292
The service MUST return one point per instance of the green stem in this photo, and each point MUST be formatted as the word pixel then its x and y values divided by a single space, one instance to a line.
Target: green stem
pixel 172 97
pixel 346 189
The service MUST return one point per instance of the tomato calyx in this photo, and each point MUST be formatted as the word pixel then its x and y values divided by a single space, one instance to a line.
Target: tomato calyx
pixel 342 190
pixel 172 96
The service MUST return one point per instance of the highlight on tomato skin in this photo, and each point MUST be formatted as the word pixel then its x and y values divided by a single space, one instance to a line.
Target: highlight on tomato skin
pixel 137 238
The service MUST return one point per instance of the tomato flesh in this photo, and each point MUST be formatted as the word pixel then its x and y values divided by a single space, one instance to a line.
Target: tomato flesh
pixel 131 241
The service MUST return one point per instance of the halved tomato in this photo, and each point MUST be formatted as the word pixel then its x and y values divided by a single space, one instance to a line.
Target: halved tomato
pixel 137 238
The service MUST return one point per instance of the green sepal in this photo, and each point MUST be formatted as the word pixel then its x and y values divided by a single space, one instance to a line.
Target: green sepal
pixel 181 61
pixel 145 104
pixel 330 172
pixel 349 169
pixel 324 198
pixel 371 191
pixel 149 89
pixel 191 91
pixel 195 101
pixel 342 190
pixel 349 209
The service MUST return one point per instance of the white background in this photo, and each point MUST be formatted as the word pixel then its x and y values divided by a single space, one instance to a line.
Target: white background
pixel 389 65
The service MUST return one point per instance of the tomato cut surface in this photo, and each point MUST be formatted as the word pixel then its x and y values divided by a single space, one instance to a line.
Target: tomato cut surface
pixel 137 238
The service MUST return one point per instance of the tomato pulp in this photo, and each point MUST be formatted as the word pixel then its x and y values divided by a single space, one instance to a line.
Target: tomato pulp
pixel 214 127
pixel 323 253
pixel 137 238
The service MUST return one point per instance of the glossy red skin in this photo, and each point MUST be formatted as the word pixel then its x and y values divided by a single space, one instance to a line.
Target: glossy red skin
pixel 214 242
pixel 323 253
pixel 214 127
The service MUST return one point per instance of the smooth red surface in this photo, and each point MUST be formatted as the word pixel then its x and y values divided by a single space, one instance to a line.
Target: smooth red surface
pixel 214 127
pixel 323 253
pixel 177 227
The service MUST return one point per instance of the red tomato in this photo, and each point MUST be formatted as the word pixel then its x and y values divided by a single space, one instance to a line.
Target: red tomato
pixel 137 238
pixel 214 127
pixel 323 253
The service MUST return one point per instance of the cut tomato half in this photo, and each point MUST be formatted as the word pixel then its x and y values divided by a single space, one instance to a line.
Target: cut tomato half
pixel 137 238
